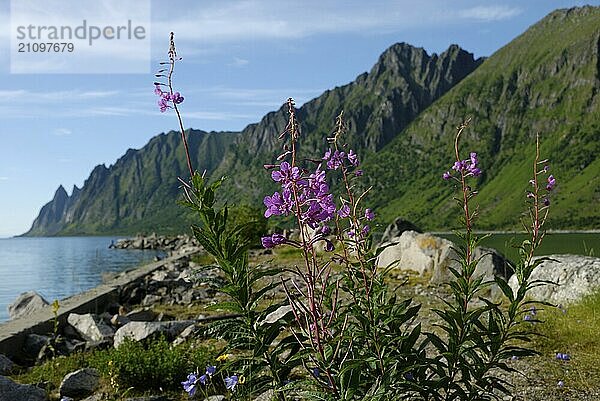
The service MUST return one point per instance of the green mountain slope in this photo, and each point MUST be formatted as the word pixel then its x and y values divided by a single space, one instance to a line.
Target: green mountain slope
pixel 545 81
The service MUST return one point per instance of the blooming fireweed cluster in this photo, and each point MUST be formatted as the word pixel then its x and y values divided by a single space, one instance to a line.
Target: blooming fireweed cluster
pixel 341 333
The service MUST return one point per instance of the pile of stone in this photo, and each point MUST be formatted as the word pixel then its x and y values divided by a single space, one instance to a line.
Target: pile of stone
pixel 171 244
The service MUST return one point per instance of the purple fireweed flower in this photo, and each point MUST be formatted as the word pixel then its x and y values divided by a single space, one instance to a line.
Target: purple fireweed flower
pixel 551 183
pixel 467 167
pixel 272 241
pixel 329 246
pixel 335 160
pixel 278 204
pixel 365 230
pixel 231 382
pixel 344 211
pixel 353 158
pixel 369 215
pixel 358 173
pixel 325 230
pixel 190 384
pixel 546 202
pixel 157 90
pixel 210 370
pixel 286 174
pixel 163 104
pixel 177 98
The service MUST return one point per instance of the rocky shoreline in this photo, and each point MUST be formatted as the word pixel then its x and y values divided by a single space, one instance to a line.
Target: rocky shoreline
pixel 130 312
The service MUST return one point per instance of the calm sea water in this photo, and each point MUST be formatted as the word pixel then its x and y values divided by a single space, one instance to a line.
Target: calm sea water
pixel 584 243
pixel 59 267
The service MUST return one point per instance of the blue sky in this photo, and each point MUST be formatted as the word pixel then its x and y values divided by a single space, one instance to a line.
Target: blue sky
pixel 242 59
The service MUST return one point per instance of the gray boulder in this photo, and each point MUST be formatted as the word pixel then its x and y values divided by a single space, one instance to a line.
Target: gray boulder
pixel 433 256
pixel 25 304
pixel 80 383
pixel 11 391
pixel 6 365
pixel 139 331
pixel 575 277
pixel 90 327
pixel 34 345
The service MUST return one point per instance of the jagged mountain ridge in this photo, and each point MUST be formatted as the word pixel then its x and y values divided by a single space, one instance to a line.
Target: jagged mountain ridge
pixel 138 192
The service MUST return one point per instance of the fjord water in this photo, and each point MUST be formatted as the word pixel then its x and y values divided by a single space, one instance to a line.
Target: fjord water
pixel 58 267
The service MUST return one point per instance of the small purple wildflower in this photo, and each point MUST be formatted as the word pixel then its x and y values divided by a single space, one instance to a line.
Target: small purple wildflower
pixel 527 318
pixel 272 241
pixel 468 167
pixel 177 98
pixel 551 183
pixel 344 211
pixel 231 382
pixel 369 215
pixel 315 372
pixel 409 376
pixel 334 160
pixel 329 246
pixel 514 358
pixel 365 230
pixel 157 90
pixel 202 379
pixel 353 158
pixel 190 384
pixel 563 357
pixel 358 173
pixel 560 384
pixel 210 370
pixel 325 230
pixel 286 174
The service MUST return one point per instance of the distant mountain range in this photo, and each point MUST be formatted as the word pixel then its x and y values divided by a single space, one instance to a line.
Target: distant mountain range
pixel 401 118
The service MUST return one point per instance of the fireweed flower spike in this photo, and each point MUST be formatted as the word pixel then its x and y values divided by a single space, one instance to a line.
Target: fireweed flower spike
pixel 169 99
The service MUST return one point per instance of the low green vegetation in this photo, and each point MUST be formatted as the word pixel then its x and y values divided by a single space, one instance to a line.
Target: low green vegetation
pixel 573 330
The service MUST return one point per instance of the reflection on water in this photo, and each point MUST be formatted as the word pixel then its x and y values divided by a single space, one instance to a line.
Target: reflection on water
pixel 60 266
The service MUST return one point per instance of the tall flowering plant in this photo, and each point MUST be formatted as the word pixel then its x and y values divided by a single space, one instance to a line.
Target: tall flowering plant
pixel 481 335
pixel 262 359
pixel 353 334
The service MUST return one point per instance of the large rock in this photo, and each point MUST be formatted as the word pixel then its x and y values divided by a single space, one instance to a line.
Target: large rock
pixel 80 383
pixel 575 277
pixel 26 303
pixel 11 391
pixel 139 331
pixel 90 327
pixel 395 230
pixel 6 365
pixel 427 254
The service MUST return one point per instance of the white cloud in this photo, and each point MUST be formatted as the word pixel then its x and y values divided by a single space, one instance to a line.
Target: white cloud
pixel 62 131
pixel 489 13
pixel 238 62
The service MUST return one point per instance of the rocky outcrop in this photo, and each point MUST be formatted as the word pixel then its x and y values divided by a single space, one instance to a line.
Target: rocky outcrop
pixel 139 331
pixel 11 391
pixel 433 256
pixel 574 277
pixel 396 228
pixel 6 365
pixel 26 303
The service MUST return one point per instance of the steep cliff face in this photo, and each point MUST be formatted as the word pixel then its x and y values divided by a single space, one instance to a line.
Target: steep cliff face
pixel 137 193
pixel 545 81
